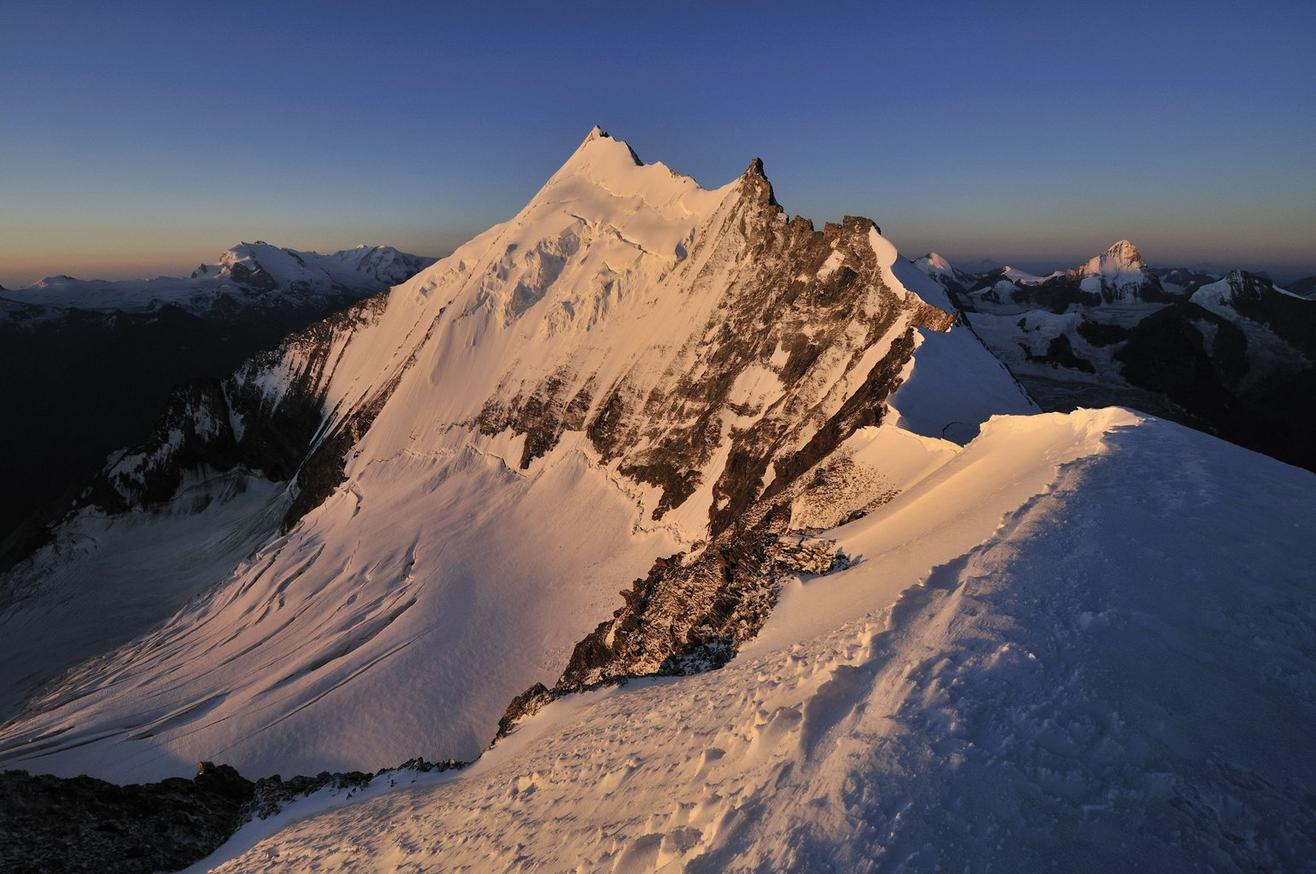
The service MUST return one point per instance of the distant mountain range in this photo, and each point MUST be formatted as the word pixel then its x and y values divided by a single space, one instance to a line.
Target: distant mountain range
pixel 89 364
pixel 248 277
pixel 1231 354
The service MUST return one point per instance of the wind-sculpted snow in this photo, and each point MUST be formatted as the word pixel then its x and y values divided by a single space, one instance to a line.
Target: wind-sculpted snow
pixel 631 367
pixel 109 578
pixel 1038 662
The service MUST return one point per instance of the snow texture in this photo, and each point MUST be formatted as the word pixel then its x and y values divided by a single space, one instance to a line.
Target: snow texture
pixel 1038 663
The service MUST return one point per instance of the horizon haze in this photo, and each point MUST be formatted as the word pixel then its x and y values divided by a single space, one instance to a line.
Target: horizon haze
pixel 143 140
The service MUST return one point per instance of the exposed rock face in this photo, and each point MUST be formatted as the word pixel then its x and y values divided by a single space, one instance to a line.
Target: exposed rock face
pixel 815 301
pixel 49 824
pixel 800 305
pixel 267 417
pixel 1118 274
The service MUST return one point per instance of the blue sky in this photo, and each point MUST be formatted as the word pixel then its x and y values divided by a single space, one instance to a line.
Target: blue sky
pixel 144 138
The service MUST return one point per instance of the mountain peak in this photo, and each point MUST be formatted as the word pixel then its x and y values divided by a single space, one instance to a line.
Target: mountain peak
pixel 599 147
pixel 1125 253
pixel 935 261
pixel 754 179
pixel 1121 259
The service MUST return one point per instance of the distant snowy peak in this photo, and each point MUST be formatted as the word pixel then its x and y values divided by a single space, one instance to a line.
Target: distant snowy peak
pixel 935 265
pixel 1119 275
pixel 363 268
pixel 1183 281
pixel 1121 257
pixel 1022 277
pixel 249 275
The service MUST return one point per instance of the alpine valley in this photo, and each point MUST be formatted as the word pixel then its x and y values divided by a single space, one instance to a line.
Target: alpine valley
pixel 657 529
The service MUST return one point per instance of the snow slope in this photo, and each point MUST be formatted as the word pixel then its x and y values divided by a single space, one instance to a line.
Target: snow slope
pixel 1039 663
pixel 144 567
pixel 628 367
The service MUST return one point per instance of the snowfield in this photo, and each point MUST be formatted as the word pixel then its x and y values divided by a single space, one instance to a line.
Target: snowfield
pixel 142 566
pixel 1086 642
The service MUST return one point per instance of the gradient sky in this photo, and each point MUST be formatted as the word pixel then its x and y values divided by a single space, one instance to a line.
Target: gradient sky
pixel 137 139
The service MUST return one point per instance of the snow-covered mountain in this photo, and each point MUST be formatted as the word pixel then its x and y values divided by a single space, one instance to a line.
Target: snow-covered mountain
pixel 1118 274
pixel 631 367
pixel 1116 277
pixel 256 275
pixel 948 630
pixel 936 266
pixel 1180 281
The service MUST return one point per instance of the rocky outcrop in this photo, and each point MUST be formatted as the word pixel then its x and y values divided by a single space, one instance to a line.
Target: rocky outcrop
pixel 269 416
pixel 803 305
pixel 49 824
pixel 81 824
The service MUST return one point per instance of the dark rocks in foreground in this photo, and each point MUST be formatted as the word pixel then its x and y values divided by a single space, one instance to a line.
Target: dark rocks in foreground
pixel 81 824
pixel 52 824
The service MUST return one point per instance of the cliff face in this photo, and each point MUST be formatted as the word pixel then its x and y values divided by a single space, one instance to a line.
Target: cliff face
pixel 270 417
pixel 811 311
